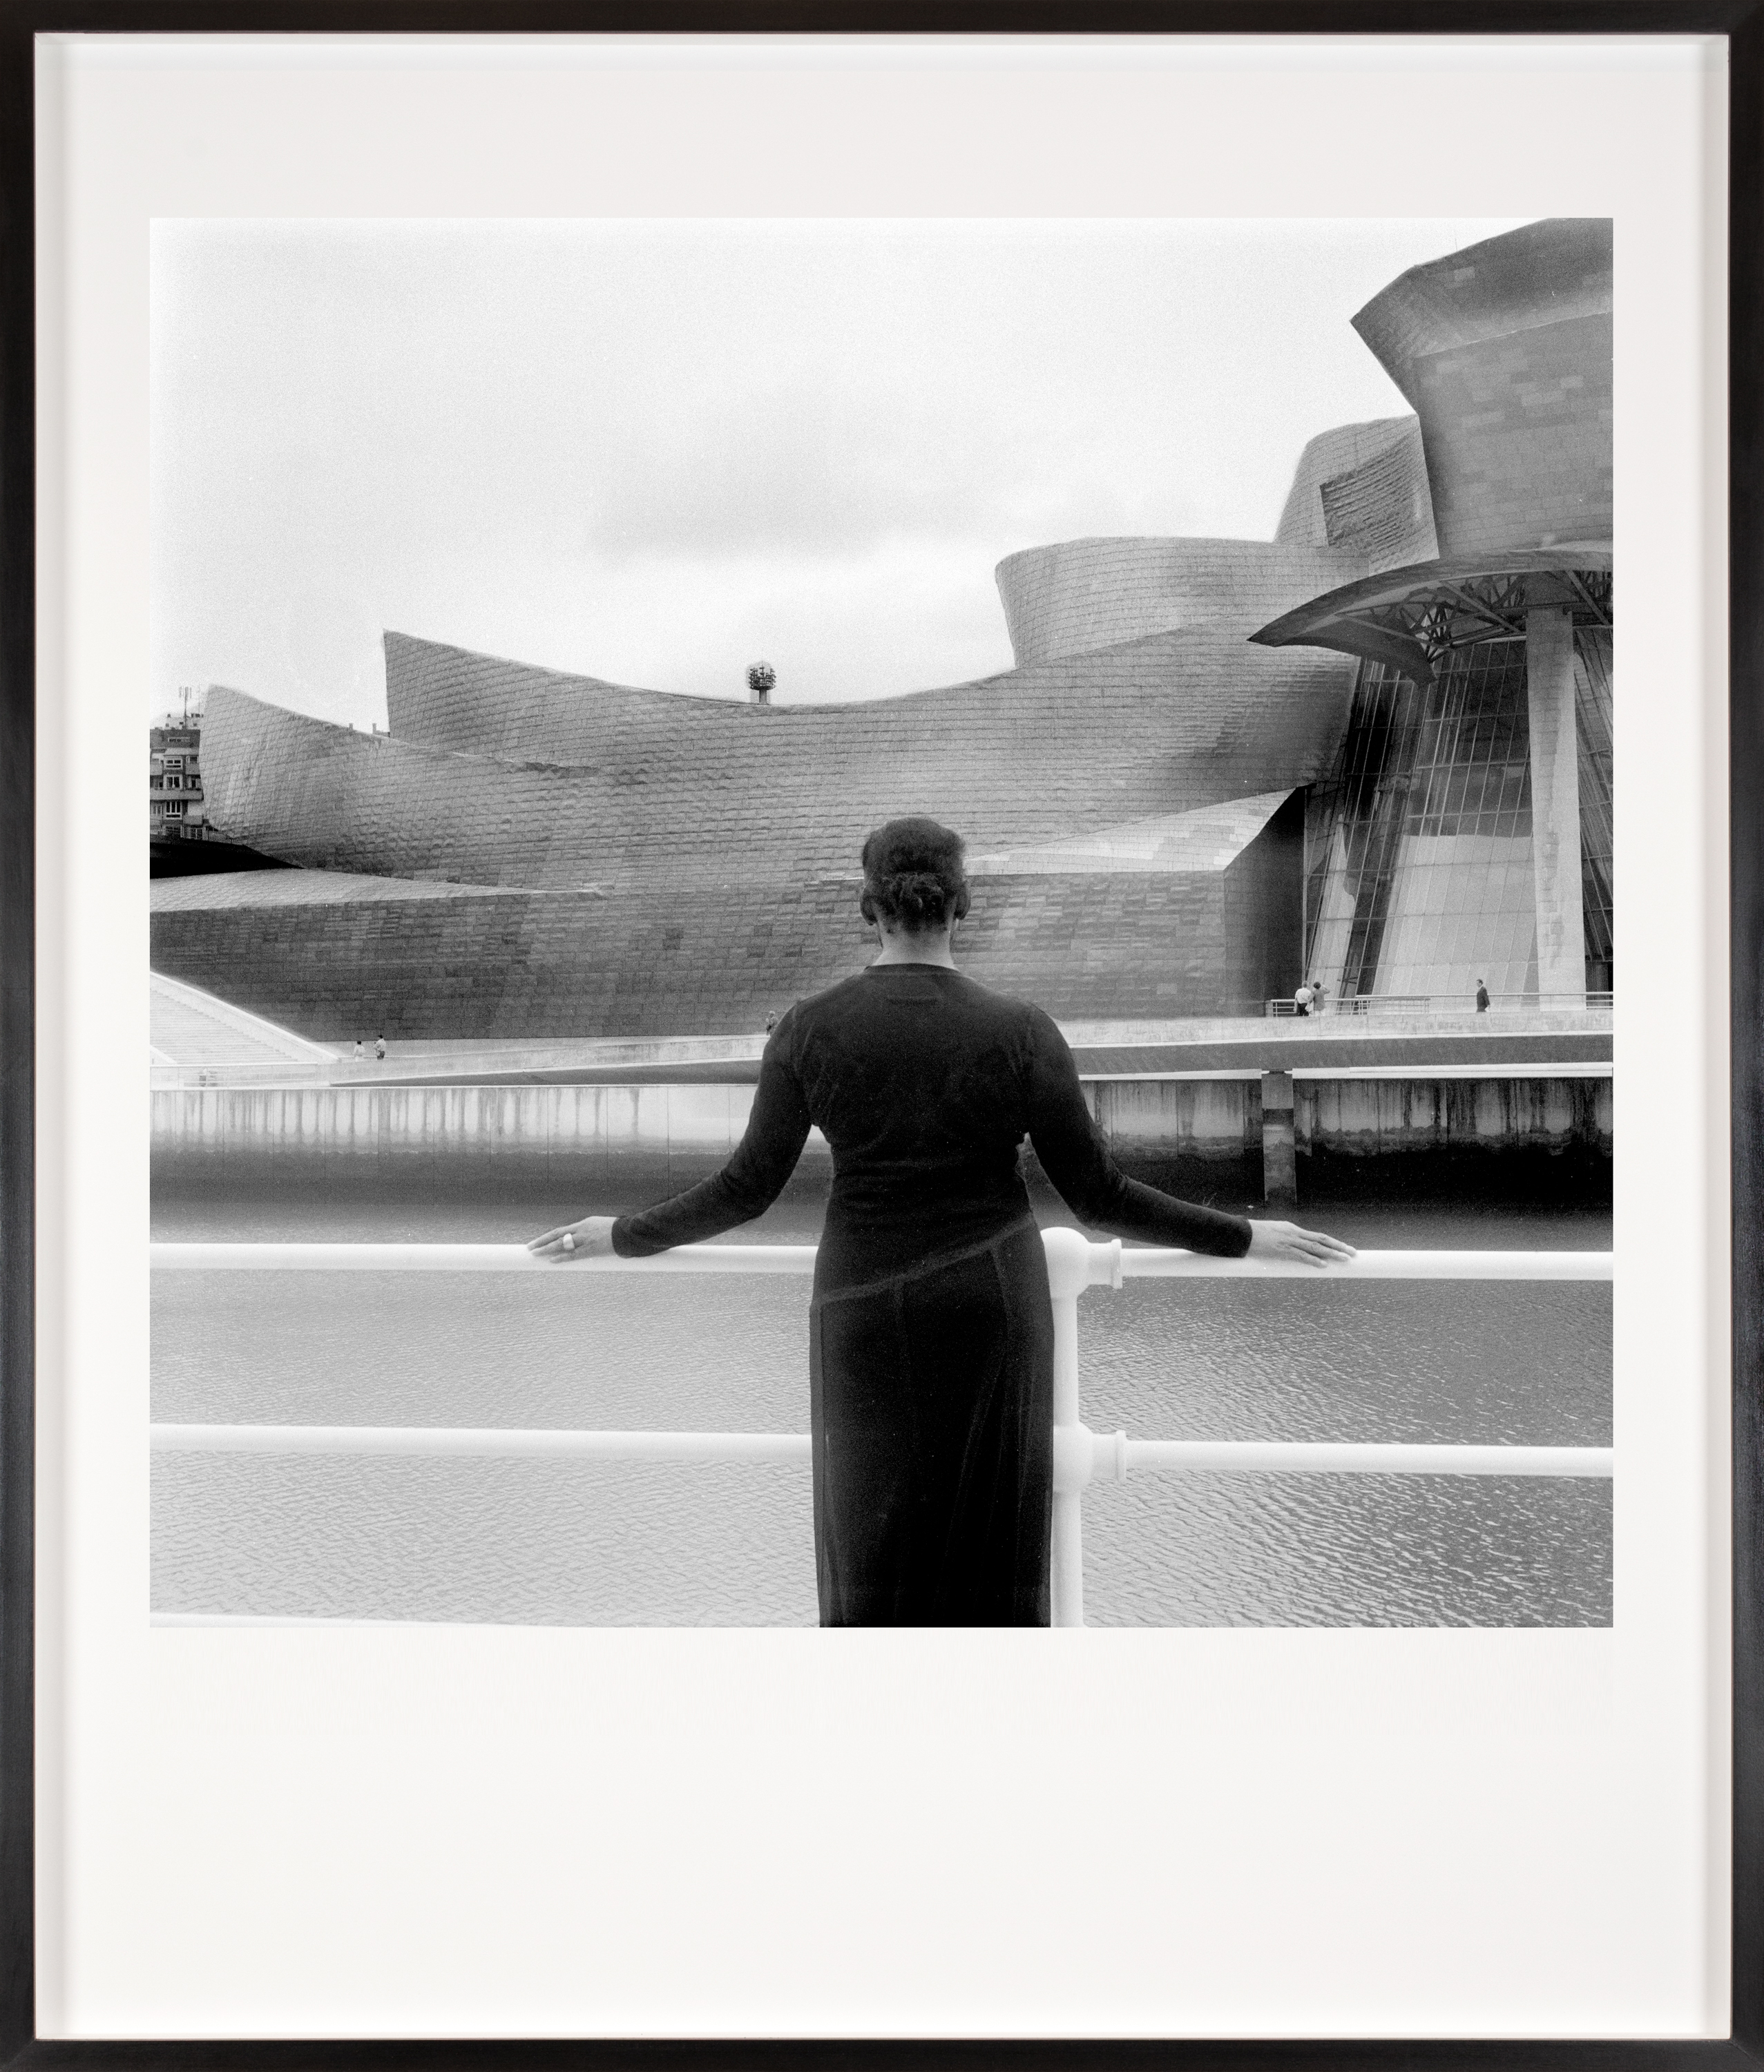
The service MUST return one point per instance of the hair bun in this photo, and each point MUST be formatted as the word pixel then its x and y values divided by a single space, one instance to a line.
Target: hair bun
pixel 918 897
pixel 914 875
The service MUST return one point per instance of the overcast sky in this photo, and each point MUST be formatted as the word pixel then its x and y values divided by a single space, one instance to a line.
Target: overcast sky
pixel 657 451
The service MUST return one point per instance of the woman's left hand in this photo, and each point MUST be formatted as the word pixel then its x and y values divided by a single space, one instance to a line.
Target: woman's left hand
pixel 590 1239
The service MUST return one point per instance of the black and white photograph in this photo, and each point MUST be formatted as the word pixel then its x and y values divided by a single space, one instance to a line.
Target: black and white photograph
pixel 892 923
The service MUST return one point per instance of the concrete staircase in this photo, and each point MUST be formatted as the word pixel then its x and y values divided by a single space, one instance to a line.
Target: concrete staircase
pixel 194 1031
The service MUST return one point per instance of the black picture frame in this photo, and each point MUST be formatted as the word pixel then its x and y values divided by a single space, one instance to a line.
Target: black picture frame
pixel 1741 22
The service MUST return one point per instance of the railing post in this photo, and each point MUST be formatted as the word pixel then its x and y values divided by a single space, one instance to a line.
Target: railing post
pixel 1279 1157
pixel 1068 1273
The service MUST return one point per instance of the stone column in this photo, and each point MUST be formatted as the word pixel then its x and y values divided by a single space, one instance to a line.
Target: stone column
pixel 1555 802
pixel 1280 1155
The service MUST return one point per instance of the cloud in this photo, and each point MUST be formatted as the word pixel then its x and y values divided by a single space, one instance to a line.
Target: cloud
pixel 639 449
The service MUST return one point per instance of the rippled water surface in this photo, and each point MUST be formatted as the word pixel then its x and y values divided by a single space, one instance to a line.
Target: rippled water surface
pixel 586 1543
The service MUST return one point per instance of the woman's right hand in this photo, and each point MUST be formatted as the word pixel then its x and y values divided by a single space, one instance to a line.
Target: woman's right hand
pixel 1271 1240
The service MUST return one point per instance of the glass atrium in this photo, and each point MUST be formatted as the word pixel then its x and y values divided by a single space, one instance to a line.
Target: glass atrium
pixel 1418 846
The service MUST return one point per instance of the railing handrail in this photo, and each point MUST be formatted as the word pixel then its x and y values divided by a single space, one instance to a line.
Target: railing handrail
pixel 480 1441
pixel 1080 1455
pixel 1112 1262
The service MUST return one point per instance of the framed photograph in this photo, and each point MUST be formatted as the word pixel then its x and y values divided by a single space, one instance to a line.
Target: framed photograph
pixel 887 778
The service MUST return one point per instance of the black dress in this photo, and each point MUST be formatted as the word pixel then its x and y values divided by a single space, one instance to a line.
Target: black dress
pixel 931 1347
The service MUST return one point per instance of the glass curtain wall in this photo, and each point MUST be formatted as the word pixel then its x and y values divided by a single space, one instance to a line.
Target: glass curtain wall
pixel 1593 716
pixel 1418 848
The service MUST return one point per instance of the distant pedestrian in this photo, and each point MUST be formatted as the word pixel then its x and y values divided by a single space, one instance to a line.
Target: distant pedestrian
pixel 1301 1000
pixel 379 1049
pixel 360 1052
pixel 771 1020
pixel 1482 997
pixel 1319 994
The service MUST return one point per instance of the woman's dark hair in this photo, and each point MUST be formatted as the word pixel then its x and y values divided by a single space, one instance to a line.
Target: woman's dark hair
pixel 913 875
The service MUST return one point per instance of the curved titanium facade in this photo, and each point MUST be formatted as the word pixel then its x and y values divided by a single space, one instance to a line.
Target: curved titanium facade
pixel 613 861
pixel 1383 507
pixel 1067 599
pixel 610 783
pixel 1504 351
pixel 1337 452
pixel 564 856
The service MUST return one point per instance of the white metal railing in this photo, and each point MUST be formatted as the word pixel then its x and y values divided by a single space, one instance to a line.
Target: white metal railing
pixel 1080 1455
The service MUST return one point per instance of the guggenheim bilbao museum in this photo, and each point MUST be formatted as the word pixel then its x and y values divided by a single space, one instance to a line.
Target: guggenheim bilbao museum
pixel 1374 751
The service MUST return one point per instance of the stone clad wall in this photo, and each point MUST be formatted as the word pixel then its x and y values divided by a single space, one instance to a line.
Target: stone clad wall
pixel 1262 911
pixel 534 964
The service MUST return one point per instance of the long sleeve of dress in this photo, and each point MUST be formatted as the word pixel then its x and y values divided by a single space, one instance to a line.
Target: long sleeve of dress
pixel 1093 1187
pixel 750 1183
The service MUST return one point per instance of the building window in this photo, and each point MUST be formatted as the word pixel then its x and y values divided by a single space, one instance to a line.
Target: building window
pixel 174 807
pixel 174 762
pixel 174 783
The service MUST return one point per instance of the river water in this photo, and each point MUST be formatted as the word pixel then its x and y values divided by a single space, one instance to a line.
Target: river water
pixel 572 1543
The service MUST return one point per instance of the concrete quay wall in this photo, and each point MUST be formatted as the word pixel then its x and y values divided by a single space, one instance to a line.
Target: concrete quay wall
pixel 1529 1135
pixel 402 1139
pixel 639 1143
pixel 653 1137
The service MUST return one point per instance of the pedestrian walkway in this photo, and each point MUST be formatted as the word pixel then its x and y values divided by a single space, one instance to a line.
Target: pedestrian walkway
pixel 1244 1048
pixel 199 1039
